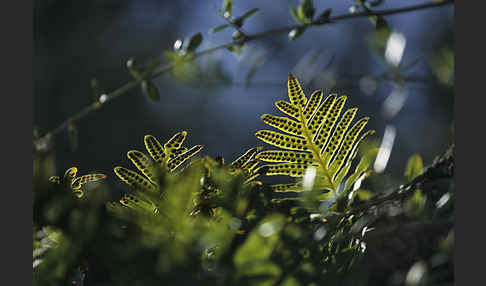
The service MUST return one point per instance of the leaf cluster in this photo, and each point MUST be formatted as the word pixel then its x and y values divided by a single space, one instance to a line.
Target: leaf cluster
pixel 197 220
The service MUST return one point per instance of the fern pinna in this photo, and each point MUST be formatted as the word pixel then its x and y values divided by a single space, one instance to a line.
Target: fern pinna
pixel 312 138
pixel 71 182
pixel 163 159
pixel 246 164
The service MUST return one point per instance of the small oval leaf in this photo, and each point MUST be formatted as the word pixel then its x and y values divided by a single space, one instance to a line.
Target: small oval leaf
pixel 414 167
pixel 218 28
pixel 249 13
pixel 193 42
pixel 150 90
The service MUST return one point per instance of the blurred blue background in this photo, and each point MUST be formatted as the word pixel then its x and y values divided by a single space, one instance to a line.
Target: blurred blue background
pixel 76 41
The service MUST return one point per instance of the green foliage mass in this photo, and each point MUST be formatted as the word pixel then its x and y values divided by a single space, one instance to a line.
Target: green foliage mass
pixel 211 223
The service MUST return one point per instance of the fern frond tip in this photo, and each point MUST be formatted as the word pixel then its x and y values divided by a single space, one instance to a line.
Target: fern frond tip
pixel 291 76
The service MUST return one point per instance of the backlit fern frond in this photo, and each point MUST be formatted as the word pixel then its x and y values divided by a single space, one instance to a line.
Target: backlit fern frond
pixel 75 183
pixel 217 174
pixel 311 135
pixel 163 158
pixel 247 163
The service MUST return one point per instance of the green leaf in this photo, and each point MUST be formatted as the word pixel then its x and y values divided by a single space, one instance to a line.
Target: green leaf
pixel 415 205
pixel 380 37
pixel 323 18
pixel 249 13
pixel 316 138
pixel 238 22
pixel 364 194
pixel 193 42
pixel 260 243
pixel 308 10
pixel 150 90
pixel 227 8
pixel 293 12
pixel 366 160
pixel 219 28
pixel 414 167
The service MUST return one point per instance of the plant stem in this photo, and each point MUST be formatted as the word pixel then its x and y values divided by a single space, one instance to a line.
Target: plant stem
pixel 166 68
pixel 315 151
pixel 442 167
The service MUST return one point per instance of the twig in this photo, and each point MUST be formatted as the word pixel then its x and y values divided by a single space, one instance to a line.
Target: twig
pixel 132 84
pixel 442 167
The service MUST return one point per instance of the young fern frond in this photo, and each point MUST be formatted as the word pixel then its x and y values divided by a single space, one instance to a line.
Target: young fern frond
pixel 70 181
pixel 313 136
pixel 246 163
pixel 166 158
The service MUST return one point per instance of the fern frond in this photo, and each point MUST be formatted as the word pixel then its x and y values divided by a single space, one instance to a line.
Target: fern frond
pixel 251 177
pixel 293 170
pixel 282 140
pixel 172 146
pixel 338 135
pixel 244 159
pixel 348 143
pixel 133 179
pixel 178 160
pixel 283 188
pixel 143 163
pixel 136 203
pixel 250 165
pixel 284 124
pixel 80 181
pixel 330 119
pixel 154 148
pixel 320 114
pixel 314 136
pixel 285 156
pixel 287 108
pixel 55 179
pixel 74 184
pixel 312 104
pixel 69 175
pixel 362 165
pixel 146 191
pixel 296 94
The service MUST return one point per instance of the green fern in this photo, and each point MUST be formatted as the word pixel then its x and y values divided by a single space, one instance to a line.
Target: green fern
pixel 70 181
pixel 312 137
pixel 246 164
pixel 163 159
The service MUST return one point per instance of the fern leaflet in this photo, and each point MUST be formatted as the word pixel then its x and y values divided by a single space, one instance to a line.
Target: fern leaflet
pixel 75 183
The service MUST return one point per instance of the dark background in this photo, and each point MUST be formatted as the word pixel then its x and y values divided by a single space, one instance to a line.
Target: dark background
pixel 76 41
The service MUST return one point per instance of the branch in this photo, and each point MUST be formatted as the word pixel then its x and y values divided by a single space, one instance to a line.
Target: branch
pixel 43 140
pixel 442 167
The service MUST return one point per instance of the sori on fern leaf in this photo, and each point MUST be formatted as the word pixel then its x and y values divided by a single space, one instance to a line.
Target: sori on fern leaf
pixel 71 182
pixel 146 193
pixel 246 164
pixel 312 137
pixel 163 159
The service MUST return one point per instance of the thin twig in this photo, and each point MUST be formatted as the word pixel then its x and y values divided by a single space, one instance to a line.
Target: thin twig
pixel 442 167
pixel 168 67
